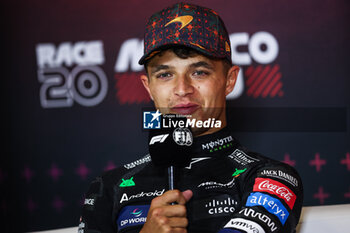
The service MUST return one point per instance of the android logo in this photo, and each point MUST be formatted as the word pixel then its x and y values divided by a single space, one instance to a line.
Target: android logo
pixel 127 182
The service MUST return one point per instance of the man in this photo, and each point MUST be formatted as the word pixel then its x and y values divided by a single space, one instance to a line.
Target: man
pixel 224 188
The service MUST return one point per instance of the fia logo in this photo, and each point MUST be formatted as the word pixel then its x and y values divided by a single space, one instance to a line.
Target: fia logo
pixel 151 120
pixel 183 136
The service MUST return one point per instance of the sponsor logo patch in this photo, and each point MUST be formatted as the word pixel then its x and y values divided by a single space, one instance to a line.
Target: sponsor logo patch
pixel 132 216
pixel 223 205
pixel 248 212
pixel 273 205
pixel 278 174
pixel 245 225
pixel 242 158
pixel 219 144
pixel 275 188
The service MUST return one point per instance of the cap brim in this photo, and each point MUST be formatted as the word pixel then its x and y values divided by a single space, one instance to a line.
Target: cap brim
pixel 196 47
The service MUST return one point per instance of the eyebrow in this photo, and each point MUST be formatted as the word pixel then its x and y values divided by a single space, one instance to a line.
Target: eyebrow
pixel 157 68
pixel 202 64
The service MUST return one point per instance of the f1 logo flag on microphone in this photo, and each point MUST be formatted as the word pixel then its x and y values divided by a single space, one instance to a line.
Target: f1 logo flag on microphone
pixel 158 138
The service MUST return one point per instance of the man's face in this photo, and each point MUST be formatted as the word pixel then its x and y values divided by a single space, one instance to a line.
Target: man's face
pixel 195 86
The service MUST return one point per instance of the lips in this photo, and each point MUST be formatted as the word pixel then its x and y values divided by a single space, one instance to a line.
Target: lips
pixel 185 109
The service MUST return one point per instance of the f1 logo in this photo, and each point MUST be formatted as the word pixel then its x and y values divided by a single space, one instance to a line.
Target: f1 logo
pixel 151 120
pixel 159 138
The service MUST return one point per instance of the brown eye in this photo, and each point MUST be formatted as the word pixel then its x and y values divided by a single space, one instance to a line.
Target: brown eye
pixel 200 73
pixel 164 75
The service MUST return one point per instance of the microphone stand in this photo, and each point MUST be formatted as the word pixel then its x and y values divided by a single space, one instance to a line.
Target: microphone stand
pixel 171 177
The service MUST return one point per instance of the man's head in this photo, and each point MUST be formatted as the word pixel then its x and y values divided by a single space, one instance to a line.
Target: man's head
pixel 188 63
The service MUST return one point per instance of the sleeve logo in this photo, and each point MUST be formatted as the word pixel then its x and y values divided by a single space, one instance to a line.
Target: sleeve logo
pixel 273 205
pixel 275 188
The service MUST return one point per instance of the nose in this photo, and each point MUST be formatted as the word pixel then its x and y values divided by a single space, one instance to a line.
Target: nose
pixel 183 86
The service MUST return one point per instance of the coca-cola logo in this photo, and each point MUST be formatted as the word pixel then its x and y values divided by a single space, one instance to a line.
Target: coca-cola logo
pixel 276 188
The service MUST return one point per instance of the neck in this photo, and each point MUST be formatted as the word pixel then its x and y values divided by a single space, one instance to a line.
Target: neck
pixel 197 132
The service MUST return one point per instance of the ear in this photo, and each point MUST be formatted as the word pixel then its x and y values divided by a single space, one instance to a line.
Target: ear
pixel 145 82
pixel 231 79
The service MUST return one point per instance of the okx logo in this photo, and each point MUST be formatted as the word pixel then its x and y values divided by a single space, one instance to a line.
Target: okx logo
pixel 132 216
pixel 151 120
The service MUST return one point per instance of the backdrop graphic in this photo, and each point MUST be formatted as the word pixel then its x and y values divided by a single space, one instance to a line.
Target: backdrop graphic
pixel 73 101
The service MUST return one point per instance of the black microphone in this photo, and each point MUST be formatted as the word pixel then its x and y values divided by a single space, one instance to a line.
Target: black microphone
pixel 170 146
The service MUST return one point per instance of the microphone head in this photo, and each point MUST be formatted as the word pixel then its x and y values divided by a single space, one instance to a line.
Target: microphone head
pixel 171 145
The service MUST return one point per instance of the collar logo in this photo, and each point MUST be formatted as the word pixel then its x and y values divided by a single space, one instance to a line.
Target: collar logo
pixel 184 20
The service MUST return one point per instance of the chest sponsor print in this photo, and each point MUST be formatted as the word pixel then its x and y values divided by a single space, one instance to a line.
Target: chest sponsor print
pixel 132 216
pixel 129 197
pixel 222 205
pixel 214 185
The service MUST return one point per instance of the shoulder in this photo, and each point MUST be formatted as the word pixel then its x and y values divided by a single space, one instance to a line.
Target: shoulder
pixel 267 168
pixel 115 175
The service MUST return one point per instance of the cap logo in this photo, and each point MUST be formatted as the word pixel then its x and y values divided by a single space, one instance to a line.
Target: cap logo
pixel 227 47
pixel 184 20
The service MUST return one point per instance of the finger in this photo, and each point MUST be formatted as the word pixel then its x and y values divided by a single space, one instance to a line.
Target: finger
pixel 178 230
pixel 169 197
pixel 178 222
pixel 187 194
pixel 170 211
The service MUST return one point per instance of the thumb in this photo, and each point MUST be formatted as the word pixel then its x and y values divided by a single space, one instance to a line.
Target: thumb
pixel 187 194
